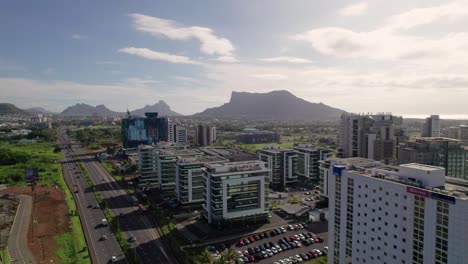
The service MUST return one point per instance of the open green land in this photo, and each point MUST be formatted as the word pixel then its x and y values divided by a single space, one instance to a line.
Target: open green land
pixel 319 260
pixel 15 158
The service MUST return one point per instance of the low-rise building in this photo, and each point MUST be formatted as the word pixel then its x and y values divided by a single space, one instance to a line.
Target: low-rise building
pixel 253 136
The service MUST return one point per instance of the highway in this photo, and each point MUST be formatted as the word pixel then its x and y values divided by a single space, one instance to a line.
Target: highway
pixel 17 241
pixel 101 250
pixel 148 245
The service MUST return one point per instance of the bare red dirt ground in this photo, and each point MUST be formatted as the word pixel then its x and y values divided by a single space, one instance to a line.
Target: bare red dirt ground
pixel 50 217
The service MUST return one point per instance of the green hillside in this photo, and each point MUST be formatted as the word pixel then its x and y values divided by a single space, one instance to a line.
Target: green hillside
pixel 9 109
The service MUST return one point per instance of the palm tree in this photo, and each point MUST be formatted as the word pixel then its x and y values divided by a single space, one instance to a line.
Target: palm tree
pixel 230 255
pixel 222 260
pixel 205 258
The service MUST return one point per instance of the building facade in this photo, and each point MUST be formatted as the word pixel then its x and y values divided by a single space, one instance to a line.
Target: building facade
pixel 177 134
pixel 255 137
pixel 283 165
pixel 308 165
pixel 236 193
pixel 369 136
pixel 144 130
pixel 431 128
pixel 205 135
pixel 443 152
pixel 406 214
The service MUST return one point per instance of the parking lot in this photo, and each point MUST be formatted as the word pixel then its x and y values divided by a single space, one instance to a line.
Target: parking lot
pixel 288 252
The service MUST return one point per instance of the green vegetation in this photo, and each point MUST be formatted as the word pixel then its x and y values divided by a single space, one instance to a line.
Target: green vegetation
pixel 294 200
pixel 228 256
pixel 97 137
pixel 6 256
pixel 319 260
pixel 15 158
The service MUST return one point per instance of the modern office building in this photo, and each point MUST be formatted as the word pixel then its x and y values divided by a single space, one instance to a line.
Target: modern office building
pixel 167 167
pixel 148 161
pixel 177 134
pixel 253 136
pixel 369 136
pixel 437 151
pixel 189 178
pixel 282 163
pixel 464 134
pixel 205 135
pixel 453 132
pixel 326 169
pixel 431 128
pixel 236 193
pixel 406 214
pixel 144 130
pixel 308 165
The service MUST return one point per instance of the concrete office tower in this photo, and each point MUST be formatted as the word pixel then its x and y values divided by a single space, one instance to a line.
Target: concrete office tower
pixel 167 167
pixel 453 132
pixel 431 128
pixel 148 161
pixel 406 214
pixel 369 136
pixel 326 169
pixel 436 151
pixel 189 178
pixel 144 130
pixel 236 193
pixel 308 166
pixel 177 133
pixel 282 164
pixel 205 135
pixel 464 134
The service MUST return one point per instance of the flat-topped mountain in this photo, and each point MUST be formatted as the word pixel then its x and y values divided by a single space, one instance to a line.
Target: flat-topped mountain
pixel 88 110
pixel 279 105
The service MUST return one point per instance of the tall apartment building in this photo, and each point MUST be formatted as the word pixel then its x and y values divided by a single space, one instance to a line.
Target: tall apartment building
pixel 431 128
pixel 282 164
pixel 177 134
pixel 189 178
pixel 406 214
pixel 148 161
pixel 144 130
pixel 308 165
pixel 205 135
pixel 326 169
pixel 443 152
pixel 369 136
pixel 236 193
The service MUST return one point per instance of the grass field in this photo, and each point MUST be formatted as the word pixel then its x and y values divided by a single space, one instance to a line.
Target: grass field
pixel 40 155
pixel 319 260
pixel 6 256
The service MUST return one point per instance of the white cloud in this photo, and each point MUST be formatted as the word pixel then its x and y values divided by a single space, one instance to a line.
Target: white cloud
pixel 78 37
pixel 270 76
pixel 391 41
pixel 210 43
pixel 287 59
pixel 356 9
pixel 228 59
pixel 155 55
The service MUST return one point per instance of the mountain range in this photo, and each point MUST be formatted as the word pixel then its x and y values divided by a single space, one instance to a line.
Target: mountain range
pixel 275 105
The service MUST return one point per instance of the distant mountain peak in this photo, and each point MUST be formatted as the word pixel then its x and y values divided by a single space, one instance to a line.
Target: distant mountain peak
pixel 81 109
pixel 161 107
pixel 274 105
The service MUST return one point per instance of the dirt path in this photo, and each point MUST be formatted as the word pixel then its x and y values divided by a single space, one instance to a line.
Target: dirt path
pixel 17 241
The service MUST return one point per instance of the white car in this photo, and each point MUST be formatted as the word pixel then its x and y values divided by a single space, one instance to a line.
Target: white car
pixel 298 258
pixel 240 260
pixel 114 259
pixel 290 227
pixel 240 254
pixel 270 254
pixel 300 226
pixel 298 244
pixel 279 249
pixel 273 249
pixel 283 230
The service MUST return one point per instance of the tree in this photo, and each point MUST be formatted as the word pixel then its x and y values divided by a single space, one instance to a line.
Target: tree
pixel 205 257
pixel 230 255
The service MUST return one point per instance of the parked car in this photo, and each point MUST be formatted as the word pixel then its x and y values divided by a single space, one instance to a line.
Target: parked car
pixel 290 227
pixel 304 256
pixel 256 237
pixel 240 243
pixel 298 258
pixel 283 230
pixel 251 239
pixel 266 235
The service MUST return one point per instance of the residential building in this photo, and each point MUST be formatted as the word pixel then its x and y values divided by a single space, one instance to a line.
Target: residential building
pixel 453 132
pixel 308 165
pixel 144 130
pixel 282 164
pixel 431 128
pixel 148 161
pixel 189 178
pixel 437 151
pixel 236 193
pixel 205 135
pixel 406 214
pixel 253 136
pixel 326 169
pixel 370 136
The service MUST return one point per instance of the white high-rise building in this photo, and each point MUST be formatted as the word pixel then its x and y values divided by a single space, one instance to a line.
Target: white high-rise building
pixel 177 134
pixel 406 214
pixel 431 127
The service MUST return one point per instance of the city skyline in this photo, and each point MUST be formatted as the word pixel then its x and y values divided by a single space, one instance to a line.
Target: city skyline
pixel 401 57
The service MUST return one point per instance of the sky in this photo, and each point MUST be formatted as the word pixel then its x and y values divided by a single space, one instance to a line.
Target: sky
pixel 405 57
